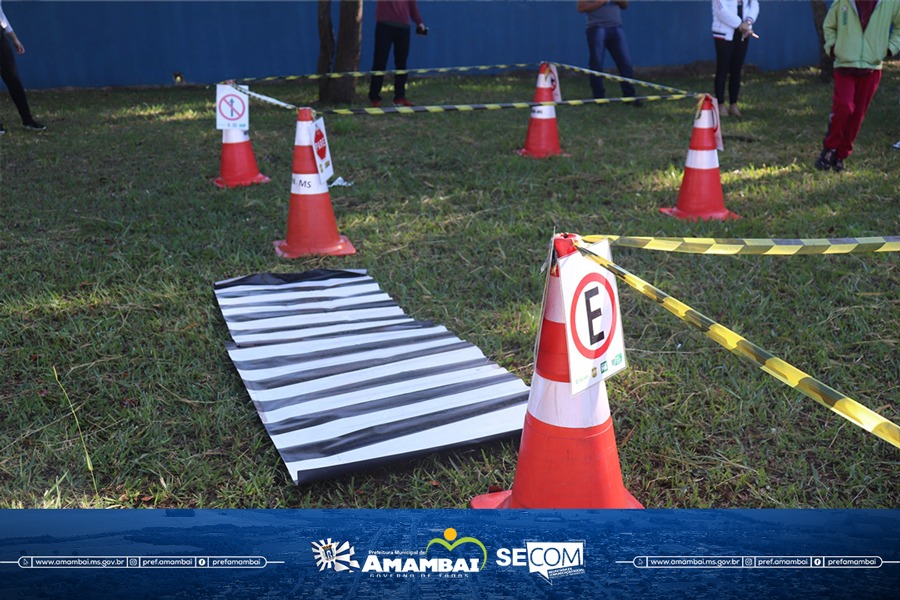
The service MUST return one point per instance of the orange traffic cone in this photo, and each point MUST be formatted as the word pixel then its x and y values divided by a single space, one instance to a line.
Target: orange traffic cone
pixel 568 456
pixel 311 227
pixel 238 166
pixel 542 139
pixel 700 196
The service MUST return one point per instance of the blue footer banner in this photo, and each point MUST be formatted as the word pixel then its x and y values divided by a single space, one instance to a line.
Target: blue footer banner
pixel 502 554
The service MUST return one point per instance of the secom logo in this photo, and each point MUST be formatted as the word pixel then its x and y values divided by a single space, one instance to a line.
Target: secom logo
pixel 550 560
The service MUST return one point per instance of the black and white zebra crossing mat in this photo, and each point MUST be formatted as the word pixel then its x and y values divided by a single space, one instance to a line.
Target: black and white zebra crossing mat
pixel 342 379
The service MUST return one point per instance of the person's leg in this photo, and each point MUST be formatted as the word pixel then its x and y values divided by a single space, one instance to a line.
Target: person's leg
pixel 842 107
pixel 401 53
pixel 863 93
pixel 724 49
pixel 738 54
pixel 596 37
pixel 10 76
pixel 379 59
pixel 618 48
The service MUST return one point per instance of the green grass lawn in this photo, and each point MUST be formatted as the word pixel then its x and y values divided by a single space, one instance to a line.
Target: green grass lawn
pixel 112 236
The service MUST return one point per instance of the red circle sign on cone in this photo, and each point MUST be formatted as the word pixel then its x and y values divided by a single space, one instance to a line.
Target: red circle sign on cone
pixel 320 145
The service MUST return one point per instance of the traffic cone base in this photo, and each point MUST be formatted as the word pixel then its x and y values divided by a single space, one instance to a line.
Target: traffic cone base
pixel 238 166
pixel 722 215
pixel 700 197
pixel 220 182
pixel 542 139
pixel 591 477
pixel 491 500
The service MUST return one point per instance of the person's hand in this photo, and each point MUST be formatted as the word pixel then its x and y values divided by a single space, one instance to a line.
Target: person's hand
pixel 421 29
pixel 15 40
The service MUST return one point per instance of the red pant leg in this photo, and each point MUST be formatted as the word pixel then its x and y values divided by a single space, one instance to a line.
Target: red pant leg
pixel 851 99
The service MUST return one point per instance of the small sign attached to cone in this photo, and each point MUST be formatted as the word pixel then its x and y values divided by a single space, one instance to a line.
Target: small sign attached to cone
pixel 232 108
pixel 594 338
pixel 322 152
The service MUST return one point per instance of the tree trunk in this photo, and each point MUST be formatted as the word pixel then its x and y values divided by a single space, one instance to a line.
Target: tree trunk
pixel 345 52
pixel 326 46
pixel 826 63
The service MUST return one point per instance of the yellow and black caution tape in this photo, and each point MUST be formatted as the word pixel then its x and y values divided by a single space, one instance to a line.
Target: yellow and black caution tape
pixel 655 86
pixel 774 247
pixel 676 93
pixel 313 76
pixel 451 107
pixel 266 99
pixel 493 106
pixel 848 408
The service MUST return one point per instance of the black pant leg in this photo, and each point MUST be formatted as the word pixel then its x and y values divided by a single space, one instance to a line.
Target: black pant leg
pixel 10 76
pixel 380 58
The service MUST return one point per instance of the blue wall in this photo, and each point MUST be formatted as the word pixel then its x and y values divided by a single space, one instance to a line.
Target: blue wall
pixel 108 43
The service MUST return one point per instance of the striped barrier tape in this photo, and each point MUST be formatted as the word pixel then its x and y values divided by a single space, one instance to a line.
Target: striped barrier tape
pixel 314 76
pixel 846 407
pixel 655 86
pixel 454 107
pixel 492 106
pixel 773 247
pixel 267 99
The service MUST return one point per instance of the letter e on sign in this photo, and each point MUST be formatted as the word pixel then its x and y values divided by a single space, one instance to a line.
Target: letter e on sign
pixel 594 339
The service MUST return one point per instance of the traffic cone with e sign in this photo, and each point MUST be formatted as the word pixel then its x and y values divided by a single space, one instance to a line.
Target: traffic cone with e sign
pixel 568 456
pixel 542 139
pixel 701 196
pixel 238 166
pixel 311 227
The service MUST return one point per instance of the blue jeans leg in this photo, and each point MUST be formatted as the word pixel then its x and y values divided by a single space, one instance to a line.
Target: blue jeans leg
pixel 618 48
pixel 596 39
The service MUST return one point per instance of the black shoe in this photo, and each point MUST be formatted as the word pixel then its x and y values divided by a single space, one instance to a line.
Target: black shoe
pixel 637 103
pixel 826 160
pixel 2 129
pixel 34 126
pixel 837 165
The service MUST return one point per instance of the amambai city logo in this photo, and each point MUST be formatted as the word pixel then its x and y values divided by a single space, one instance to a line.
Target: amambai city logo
pixel 334 555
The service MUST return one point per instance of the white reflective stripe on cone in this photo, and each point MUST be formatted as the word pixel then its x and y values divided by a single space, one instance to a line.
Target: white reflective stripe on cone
pixel 235 136
pixel 305 185
pixel 552 402
pixel 705 120
pixel 303 137
pixel 702 159
pixel 543 112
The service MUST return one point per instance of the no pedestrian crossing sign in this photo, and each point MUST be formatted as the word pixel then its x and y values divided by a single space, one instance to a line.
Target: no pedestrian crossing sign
pixel 594 339
pixel 232 108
